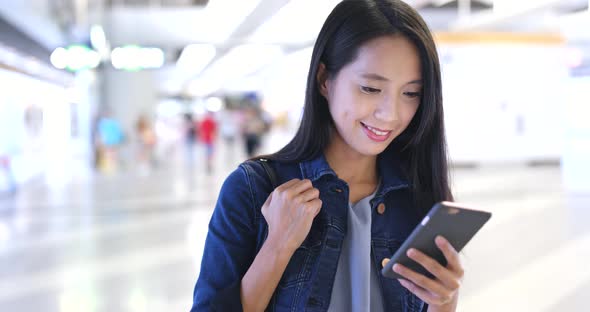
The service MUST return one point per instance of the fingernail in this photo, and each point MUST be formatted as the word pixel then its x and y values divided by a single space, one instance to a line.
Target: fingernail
pixel 396 268
pixel 411 252
pixel 440 240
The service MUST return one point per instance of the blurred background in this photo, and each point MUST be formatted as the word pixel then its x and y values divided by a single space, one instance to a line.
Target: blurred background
pixel 120 119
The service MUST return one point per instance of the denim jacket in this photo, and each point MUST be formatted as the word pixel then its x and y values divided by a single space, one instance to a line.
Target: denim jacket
pixel 237 231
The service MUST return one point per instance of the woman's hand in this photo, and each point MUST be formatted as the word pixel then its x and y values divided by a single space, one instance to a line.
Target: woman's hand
pixel 441 293
pixel 289 212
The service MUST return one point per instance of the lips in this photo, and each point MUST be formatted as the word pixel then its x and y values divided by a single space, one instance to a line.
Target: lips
pixel 376 134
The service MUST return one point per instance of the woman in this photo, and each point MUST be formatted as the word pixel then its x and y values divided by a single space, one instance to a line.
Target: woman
pixel 147 141
pixel 366 164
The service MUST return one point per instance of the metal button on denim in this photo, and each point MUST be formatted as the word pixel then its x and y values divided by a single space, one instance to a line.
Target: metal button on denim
pixel 381 208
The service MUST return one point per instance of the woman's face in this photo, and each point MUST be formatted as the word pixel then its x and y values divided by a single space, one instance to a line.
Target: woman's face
pixel 373 99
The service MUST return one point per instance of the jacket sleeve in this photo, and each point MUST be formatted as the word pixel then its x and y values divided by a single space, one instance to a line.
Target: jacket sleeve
pixel 229 247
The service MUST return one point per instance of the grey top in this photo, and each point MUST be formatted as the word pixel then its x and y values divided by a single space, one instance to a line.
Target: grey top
pixel 356 286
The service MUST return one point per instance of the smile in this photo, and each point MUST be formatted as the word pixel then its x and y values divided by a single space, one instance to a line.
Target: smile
pixel 376 134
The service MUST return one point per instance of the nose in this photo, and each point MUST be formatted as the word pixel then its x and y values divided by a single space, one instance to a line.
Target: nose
pixel 388 109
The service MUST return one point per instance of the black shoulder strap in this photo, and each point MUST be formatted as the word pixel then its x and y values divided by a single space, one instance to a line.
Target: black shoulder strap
pixel 270 172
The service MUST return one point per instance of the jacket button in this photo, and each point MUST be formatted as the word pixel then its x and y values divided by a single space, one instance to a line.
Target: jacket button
pixel 384 262
pixel 337 190
pixel 381 208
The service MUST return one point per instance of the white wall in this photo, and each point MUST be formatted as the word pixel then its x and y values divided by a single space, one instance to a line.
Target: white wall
pixel 34 152
pixel 576 156
pixel 503 103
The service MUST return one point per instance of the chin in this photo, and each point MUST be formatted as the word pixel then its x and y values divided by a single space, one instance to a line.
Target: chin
pixel 373 150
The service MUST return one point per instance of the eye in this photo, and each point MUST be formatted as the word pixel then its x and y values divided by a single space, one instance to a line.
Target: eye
pixel 413 94
pixel 370 90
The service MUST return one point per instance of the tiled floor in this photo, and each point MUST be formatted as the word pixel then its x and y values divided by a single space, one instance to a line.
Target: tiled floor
pixel 132 242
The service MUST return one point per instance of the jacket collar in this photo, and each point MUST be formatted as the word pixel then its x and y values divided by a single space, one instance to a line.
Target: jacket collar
pixel 389 168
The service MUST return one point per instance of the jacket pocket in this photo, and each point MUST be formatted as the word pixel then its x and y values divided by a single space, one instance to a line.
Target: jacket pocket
pixel 299 268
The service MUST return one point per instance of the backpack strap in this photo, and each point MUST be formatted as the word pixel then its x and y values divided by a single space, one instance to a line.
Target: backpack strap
pixel 272 177
pixel 270 172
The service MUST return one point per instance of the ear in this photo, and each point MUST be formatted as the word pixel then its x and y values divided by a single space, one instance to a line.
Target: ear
pixel 322 80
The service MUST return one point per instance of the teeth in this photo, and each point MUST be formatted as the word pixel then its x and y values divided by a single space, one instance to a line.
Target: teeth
pixel 377 132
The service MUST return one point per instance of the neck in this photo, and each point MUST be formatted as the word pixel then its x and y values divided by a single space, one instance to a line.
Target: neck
pixel 349 165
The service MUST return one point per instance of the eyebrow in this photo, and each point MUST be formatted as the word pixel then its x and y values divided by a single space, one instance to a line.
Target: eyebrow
pixel 374 76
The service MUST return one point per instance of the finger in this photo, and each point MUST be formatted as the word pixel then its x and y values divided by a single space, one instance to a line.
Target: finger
pixel 446 276
pixel 422 281
pixel 314 206
pixel 287 184
pixel 421 293
pixel 319 208
pixel 451 254
pixel 301 186
pixel 268 200
pixel 264 208
pixel 310 194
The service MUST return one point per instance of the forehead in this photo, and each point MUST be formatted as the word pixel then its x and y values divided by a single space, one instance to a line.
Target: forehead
pixel 391 56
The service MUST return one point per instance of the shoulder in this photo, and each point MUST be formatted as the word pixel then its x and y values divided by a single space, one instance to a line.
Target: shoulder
pixel 237 185
pixel 259 176
pixel 253 173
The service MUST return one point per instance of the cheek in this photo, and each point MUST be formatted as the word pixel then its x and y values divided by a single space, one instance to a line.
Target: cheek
pixel 409 114
pixel 345 107
pixel 342 117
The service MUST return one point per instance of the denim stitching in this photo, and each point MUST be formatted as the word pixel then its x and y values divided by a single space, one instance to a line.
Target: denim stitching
pixel 245 167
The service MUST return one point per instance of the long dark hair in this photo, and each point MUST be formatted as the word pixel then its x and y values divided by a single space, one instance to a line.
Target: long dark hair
pixel 422 146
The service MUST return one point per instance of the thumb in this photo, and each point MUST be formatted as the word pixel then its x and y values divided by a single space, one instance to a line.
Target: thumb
pixel 318 211
pixel 268 200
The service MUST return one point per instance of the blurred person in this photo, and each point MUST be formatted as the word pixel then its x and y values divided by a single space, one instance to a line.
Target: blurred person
pixel 253 128
pixel 365 166
pixel 208 132
pixel 96 146
pixel 110 138
pixel 191 132
pixel 147 141
pixel 167 131
pixel 228 130
pixel 228 126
